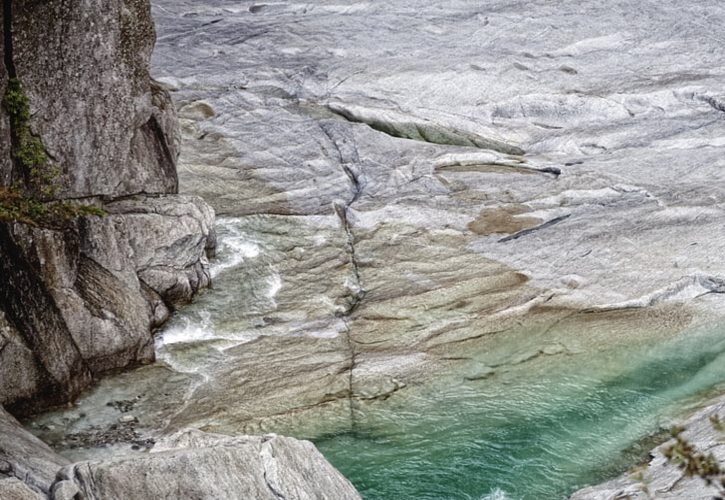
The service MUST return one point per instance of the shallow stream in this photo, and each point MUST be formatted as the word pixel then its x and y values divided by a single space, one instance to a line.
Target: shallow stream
pixel 535 428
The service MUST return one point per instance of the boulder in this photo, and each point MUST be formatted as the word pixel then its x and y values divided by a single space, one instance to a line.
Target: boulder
pixel 14 489
pixel 193 464
pixel 25 457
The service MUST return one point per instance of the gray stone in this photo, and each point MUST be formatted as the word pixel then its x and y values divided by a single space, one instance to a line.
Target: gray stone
pixel 196 465
pixel 108 129
pixel 25 457
pixel 64 490
pixel 426 183
pixel 83 299
pixel 14 489
pixel 660 480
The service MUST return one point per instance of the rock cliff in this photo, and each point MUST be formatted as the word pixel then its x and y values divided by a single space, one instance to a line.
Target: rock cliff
pixel 83 122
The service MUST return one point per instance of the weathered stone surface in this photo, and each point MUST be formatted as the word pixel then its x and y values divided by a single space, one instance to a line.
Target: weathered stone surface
pixel 14 489
pixel 98 277
pixel 658 479
pixel 192 464
pixel 168 238
pixel 105 125
pixel 418 194
pixel 84 299
pixel 408 188
pixel 25 457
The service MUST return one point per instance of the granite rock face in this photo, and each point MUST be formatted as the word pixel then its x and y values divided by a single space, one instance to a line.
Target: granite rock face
pixel 108 128
pixel 83 298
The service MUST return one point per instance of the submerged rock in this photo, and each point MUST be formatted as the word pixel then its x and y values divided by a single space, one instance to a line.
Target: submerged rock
pixel 659 479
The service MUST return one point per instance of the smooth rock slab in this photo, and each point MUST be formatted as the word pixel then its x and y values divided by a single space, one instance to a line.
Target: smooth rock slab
pixel 195 465
pixel 25 457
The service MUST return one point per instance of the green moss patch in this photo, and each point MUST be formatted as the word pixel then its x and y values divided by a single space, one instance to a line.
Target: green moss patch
pixel 33 202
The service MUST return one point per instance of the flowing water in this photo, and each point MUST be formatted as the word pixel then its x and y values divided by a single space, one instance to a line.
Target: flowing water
pixel 538 431
pixel 535 435
pixel 534 429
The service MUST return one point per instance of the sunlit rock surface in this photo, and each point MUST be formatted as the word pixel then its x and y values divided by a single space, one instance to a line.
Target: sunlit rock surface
pixel 421 177
pixel 469 190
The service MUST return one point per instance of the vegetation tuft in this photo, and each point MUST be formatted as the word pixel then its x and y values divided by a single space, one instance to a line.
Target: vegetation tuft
pixel 33 203
pixel 694 463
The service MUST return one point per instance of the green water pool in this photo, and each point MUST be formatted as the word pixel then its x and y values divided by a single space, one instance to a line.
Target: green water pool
pixel 536 433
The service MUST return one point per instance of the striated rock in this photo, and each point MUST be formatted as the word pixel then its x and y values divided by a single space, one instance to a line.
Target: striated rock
pixel 25 457
pixel 660 480
pixel 486 177
pixel 189 464
pixel 14 489
pixel 193 464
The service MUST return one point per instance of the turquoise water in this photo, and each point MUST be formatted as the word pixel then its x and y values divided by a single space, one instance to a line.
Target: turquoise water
pixel 536 433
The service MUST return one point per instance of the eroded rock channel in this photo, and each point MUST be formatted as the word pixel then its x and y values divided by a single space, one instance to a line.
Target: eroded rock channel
pixel 472 250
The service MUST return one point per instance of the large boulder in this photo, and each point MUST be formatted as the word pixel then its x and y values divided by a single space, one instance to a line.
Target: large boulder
pixel 25 457
pixel 193 464
pixel 84 300
pixel 188 464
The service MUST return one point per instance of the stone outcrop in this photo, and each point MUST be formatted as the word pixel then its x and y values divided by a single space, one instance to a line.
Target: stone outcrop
pixel 82 298
pixel 108 128
pixel 193 464
pixel 189 464
pixel 660 480
pixel 25 457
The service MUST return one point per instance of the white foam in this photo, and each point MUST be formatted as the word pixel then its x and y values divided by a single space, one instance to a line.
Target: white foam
pixel 275 285
pixel 496 494
pixel 233 247
pixel 186 331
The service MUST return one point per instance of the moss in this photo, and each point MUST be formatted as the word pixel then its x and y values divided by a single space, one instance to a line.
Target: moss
pixel 33 203
pixel 28 151
pixel 15 206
